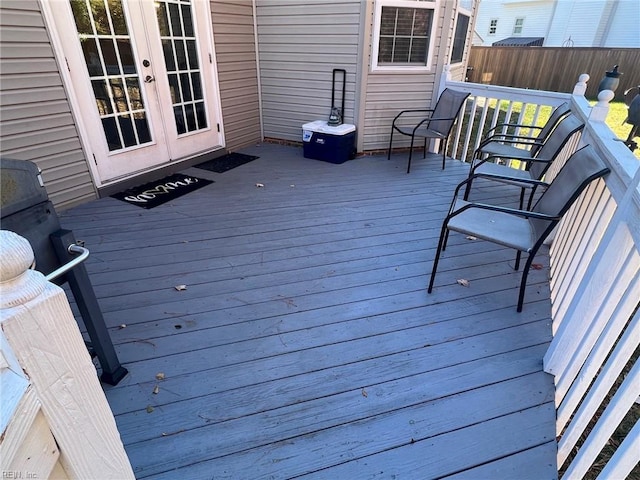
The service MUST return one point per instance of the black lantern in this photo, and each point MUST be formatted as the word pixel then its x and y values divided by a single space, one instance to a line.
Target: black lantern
pixel 611 80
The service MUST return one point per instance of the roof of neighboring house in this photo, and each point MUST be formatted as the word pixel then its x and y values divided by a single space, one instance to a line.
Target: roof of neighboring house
pixel 519 42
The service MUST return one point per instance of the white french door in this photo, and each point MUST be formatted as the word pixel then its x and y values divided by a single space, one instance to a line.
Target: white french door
pixel 144 77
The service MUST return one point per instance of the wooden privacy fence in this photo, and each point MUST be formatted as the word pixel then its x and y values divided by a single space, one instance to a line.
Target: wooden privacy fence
pixel 554 69
pixel 594 280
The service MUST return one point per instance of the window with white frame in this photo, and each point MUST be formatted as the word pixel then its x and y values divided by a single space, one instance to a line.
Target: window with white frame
pixel 403 34
pixel 493 26
pixel 460 38
pixel 517 26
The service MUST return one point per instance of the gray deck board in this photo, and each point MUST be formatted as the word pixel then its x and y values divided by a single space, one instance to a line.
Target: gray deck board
pixel 305 344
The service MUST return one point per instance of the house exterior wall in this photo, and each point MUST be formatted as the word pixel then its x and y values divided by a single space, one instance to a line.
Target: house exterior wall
pixel 300 43
pixel 36 122
pixel 574 23
pixel 568 24
pixel 625 30
pixel 385 94
pixel 536 13
pixel 233 32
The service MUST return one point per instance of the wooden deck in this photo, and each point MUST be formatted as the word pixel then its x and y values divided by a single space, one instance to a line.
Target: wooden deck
pixel 305 344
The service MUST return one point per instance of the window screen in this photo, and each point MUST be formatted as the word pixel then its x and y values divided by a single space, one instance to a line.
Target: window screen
pixel 459 40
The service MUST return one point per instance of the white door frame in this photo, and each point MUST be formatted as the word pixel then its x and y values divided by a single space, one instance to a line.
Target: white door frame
pixel 209 71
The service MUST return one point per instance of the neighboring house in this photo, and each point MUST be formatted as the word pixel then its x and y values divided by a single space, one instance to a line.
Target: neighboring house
pixel 103 95
pixel 560 23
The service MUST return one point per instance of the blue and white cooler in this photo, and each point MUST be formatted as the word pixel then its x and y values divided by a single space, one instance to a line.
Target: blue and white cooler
pixel 330 144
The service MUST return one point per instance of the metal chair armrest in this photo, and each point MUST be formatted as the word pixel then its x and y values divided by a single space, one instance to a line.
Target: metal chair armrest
pixel 477 161
pixel 515 125
pixel 511 211
pixel 472 176
pixel 410 111
pixel 510 139
pixel 530 181
pixel 431 119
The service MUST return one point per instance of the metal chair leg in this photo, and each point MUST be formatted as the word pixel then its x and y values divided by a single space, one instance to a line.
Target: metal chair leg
pixel 467 189
pixel 443 233
pixel 446 239
pixel 533 192
pixel 390 143
pixel 521 204
pixel 444 151
pixel 410 154
pixel 523 282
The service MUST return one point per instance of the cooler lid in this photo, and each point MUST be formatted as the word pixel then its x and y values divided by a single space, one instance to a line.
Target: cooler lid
pixel 320 126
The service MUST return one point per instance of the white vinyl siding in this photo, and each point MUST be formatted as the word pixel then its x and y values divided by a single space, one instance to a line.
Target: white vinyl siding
pixel 493 26
pixel 626 32
pixel 619 23
pixel 567 29
pixel 36 121
pixel 518 26
pixel 610 23
pixel 536 14
pixel 300 44
pixel 237 72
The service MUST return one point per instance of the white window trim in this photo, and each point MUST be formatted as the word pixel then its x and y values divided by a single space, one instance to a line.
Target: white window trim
pixel 515 25
pixel 431 5
pixel 464 11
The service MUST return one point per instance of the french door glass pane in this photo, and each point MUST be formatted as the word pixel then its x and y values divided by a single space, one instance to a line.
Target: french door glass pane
pixel 106 45
pixel 179 45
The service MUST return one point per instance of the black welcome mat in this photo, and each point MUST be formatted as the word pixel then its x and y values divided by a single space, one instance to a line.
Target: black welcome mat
pixel 227 162
pixel 161 191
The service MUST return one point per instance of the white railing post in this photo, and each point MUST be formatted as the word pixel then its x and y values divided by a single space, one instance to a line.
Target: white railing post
pixel 41 331
pixel 600 110
pixel 445 77
pixel 581 86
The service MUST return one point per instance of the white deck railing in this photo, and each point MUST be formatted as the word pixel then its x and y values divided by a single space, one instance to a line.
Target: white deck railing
pixel 56 422
pixel 594 280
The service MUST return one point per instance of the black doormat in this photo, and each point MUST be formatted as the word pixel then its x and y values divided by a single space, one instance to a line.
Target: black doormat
pixel 227 162
pixel 161 191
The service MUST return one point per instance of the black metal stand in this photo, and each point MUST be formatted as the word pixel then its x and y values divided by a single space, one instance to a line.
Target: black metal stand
pixel 112 371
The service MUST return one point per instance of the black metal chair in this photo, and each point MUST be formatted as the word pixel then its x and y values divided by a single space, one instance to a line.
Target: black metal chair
pixel 511 145
pixel 522 230
pixel 437 124
pixel 536 167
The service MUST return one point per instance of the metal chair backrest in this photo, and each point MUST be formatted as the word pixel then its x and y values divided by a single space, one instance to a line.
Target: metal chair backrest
pixel 448 107
pixel 565 129
pixel 558 113
pixel 584 166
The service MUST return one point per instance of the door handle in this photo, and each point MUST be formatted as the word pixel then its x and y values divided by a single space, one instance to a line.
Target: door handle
pixel 149 79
